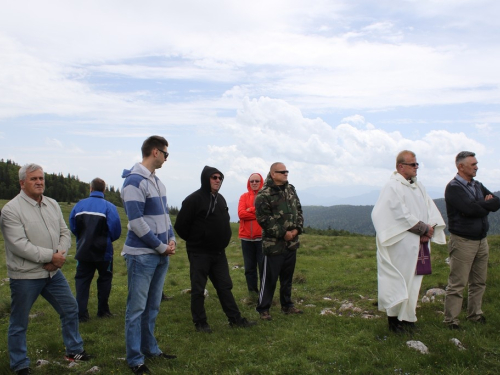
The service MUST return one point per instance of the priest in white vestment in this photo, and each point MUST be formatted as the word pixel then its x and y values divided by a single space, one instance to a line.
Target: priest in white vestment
pixel 404 216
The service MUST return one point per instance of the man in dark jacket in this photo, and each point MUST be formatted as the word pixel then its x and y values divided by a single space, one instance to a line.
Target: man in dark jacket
pixel 203 222
pixel 468 204
pixel 279 213
pixel 96 224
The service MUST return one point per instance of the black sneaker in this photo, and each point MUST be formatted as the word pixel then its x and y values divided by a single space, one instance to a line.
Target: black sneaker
pixel 164 356
pixel 107 314
pixel 24 371
pixel 164 297
pixel 242 323
pixel 395 325
pixel 203 327
pixel 140 369
pixel 83 356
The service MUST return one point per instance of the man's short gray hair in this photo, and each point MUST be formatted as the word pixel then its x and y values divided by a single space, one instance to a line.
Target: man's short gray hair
pixel 28 168
pixel 400 158
pixel 462 155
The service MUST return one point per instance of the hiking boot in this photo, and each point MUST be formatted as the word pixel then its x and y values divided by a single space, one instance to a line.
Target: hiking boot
pixel 140 369
pixel 83 356
pixel 264 315
pixel 291 310
pixel 203 327
pixel 242 323
pixel 481 320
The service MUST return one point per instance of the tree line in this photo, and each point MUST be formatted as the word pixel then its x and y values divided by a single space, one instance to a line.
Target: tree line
pixel 57 186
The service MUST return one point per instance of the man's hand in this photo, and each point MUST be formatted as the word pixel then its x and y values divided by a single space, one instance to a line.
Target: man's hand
pixel 430 231
pixel 488 197
pixel 424 239
pixel 49 267
pixel 58 259
pixel 170 249
pixel 291 234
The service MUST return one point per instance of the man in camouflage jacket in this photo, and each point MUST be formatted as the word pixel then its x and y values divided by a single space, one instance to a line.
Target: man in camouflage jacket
pixel 279 213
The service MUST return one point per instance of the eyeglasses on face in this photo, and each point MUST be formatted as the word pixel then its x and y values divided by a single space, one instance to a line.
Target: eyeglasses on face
pixel 216 178
pixel 254 181
pixel 164 153
pixel 282 172
pixel 414 165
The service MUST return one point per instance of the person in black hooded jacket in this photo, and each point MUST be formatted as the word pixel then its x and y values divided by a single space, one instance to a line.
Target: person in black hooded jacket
pixel 203 222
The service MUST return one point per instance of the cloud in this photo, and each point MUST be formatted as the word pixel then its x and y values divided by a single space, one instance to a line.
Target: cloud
pixel 53 142
pixel 268 130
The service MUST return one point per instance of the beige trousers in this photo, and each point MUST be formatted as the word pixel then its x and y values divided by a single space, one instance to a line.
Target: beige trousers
pixel 468 265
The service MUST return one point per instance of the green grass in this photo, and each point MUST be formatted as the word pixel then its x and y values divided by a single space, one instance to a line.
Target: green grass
pixel 330 271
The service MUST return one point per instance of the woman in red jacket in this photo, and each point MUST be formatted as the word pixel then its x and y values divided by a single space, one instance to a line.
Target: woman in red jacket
pixel 250 232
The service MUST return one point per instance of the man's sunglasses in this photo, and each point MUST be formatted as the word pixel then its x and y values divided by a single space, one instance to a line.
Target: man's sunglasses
pixel 216 178
pixel 282 172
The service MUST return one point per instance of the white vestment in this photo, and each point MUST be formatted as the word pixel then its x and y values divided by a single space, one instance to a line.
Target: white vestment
pixel 400 206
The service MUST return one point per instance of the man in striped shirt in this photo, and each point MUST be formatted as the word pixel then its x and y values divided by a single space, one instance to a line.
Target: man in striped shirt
pixel 150 241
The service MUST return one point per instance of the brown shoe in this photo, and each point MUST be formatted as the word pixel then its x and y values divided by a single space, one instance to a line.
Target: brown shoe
pixel 264 315
pixel 291 310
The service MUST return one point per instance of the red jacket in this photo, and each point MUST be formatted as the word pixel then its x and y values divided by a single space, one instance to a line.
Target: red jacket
pixel 249 228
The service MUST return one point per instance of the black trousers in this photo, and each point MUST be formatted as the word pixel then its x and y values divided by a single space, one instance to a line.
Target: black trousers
pixel 276 267
pixel 215 267
pixel 83 278
pixel 253 259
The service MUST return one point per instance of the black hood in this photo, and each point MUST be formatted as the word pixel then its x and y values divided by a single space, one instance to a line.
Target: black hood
pixel 205 177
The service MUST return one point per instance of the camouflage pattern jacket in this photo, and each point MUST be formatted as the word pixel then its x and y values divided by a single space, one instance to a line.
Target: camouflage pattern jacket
pixel 278 210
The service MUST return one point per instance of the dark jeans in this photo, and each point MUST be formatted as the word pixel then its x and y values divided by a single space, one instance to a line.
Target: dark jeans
pixel 213 266
pixel 84 274
pixel 276 267
pixel 253 259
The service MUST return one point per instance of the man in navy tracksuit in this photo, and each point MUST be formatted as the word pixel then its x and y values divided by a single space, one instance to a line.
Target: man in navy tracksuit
pixel 96 224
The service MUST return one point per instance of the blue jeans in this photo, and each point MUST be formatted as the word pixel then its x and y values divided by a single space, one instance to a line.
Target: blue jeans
pixel 24 293
pixel 146 275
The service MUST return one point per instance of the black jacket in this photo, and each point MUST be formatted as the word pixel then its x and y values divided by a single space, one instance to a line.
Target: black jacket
pixel 203 220
pixel 468 213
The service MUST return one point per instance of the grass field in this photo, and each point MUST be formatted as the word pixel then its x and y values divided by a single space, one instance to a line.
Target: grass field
pixel 330 272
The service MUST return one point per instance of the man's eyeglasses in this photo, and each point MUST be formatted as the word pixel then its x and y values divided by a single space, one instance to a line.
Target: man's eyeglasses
pixel 414 165
pixel 164 153
pixel 216 178
pixel 254 181
pixel 282 172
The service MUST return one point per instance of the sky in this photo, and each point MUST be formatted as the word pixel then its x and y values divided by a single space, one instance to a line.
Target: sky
pixel 333 89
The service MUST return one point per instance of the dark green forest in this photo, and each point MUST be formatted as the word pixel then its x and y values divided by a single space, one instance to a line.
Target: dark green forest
pixel 357 219
pixel 57 186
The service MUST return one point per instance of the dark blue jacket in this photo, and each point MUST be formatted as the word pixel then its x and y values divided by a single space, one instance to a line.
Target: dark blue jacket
pixel 468 212
pixel 96 224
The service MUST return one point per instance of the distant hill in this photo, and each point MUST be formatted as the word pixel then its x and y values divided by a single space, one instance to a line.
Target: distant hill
pixel 357 219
